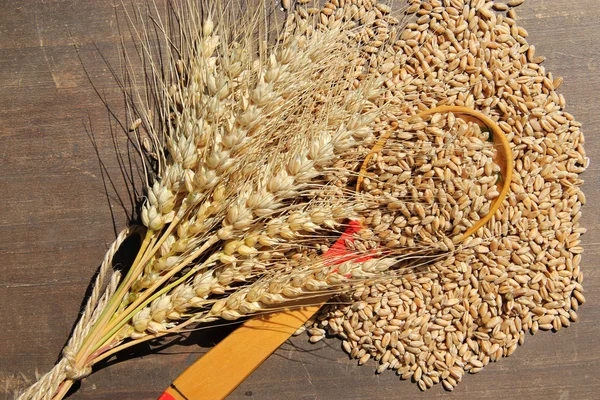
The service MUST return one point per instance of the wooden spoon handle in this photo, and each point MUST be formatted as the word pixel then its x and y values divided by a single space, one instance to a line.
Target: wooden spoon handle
pixel 226 365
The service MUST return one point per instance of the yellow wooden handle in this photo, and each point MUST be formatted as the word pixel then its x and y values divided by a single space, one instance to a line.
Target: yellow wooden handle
pixel 225 366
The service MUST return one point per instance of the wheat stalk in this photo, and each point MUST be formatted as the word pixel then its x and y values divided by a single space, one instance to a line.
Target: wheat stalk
pixel 248 139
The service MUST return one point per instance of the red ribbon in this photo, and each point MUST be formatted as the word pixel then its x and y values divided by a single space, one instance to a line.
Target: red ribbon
pixel 339 253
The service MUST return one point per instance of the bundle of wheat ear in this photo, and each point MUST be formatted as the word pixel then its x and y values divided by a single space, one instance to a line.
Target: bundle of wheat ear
pixel 347 157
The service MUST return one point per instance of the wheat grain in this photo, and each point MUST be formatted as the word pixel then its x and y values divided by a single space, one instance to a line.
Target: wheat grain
pixel 427 59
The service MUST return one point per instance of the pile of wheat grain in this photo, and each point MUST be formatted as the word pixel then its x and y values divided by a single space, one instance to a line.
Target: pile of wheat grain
pixel 522 271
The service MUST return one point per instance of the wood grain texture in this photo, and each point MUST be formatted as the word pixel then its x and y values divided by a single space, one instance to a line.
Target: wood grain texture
pixel 56 222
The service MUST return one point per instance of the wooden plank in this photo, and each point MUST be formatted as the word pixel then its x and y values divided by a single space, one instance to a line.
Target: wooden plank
pixel 55 223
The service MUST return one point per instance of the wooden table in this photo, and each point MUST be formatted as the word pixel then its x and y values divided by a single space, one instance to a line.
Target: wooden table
pixel 56 220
